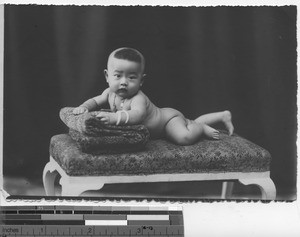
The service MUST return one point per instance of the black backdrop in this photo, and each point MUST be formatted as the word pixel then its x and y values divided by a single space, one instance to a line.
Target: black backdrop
pixel 198 60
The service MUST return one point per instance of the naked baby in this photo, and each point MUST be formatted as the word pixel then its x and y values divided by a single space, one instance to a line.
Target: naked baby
pixel 129 105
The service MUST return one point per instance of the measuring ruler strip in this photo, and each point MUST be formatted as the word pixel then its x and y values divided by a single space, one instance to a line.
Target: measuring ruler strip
pixel 65 230
pixel 90 221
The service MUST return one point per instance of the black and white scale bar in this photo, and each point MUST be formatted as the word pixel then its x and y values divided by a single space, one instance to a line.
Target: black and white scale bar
pixel 66 230
pixel 67 221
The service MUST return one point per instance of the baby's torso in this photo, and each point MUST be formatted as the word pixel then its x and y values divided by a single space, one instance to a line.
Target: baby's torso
pixel 155 119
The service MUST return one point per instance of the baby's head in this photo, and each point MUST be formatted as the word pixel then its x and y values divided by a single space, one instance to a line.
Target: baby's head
pixel 124 72
pixel 129 54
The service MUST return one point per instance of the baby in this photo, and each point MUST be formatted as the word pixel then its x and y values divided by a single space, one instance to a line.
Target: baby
pixel 129 105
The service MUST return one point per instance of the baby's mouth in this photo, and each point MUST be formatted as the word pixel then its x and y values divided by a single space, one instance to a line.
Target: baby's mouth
pixel 122 90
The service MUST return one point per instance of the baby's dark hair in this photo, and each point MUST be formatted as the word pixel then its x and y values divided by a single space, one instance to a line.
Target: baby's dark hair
pixel 129 54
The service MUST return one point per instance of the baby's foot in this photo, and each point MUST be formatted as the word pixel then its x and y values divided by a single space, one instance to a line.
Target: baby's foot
pixel 228 123
pixel 211 132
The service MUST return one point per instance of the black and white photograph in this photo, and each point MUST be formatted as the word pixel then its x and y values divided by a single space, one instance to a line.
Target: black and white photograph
pixel 156 102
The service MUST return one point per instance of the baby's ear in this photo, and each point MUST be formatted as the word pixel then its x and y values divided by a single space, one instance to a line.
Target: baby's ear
pixel 106 74
pixel 143 79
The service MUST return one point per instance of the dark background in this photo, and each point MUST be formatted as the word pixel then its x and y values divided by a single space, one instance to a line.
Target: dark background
pixel 198 60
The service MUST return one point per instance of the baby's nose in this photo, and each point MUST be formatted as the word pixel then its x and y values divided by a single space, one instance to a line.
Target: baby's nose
pixel 123 81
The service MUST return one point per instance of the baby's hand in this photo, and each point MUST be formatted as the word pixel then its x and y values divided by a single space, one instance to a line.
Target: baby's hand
pixel 80 110
pixel 107 117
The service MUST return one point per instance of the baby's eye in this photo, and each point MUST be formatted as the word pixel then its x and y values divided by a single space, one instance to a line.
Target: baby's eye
pixel 117 75
pixel 132 77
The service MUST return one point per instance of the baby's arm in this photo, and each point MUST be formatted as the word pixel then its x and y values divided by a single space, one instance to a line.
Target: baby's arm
pixel 135 115
pixel 93 103
pixel 138 111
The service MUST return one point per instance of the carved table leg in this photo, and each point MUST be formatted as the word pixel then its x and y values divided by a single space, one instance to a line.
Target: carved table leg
pixel 266 186
pixel 49 175
pixel 227 187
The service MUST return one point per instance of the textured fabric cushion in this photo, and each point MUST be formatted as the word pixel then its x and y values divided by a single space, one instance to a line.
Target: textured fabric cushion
pixel 229 154
pixel 89 124
pixel 92 136
pixel 109 144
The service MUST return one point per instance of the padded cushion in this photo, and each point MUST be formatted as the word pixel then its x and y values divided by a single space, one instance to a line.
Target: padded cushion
pixel 229 154
pixel 92 136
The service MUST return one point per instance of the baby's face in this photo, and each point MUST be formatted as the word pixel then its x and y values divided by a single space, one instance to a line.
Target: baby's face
pixel 124 77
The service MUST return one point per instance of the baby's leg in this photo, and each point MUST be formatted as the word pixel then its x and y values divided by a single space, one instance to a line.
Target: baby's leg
pixel 213 118
pixel 182 131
